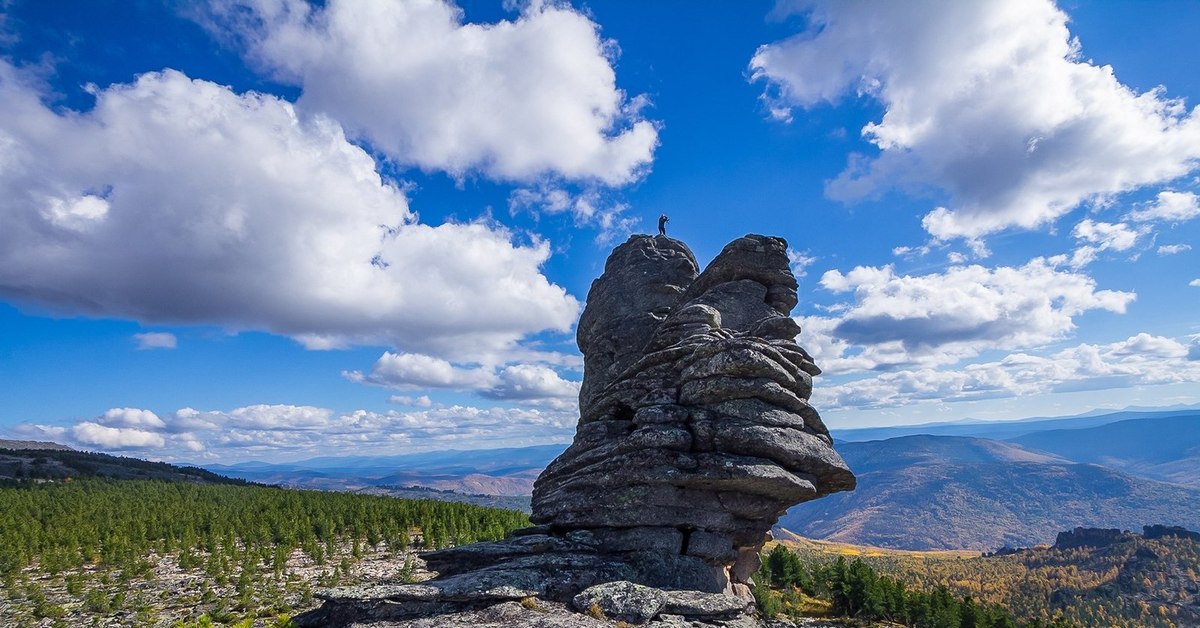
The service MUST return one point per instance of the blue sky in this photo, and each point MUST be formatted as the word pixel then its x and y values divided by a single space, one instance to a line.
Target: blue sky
pixel 264 229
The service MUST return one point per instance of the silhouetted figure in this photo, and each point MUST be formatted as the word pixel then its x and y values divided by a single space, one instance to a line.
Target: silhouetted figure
pixel 662 224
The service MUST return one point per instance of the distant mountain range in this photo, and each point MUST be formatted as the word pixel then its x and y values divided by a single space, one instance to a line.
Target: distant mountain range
pixel 1003 430
pixel 506 472
pixel 956 492
pixel 1162 448
pixel 966 485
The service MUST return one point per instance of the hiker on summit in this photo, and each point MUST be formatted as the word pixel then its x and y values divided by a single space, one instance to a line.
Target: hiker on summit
pixel 662 224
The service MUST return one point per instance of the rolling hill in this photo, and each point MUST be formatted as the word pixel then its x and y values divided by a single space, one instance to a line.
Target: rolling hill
pixel 1166 448
pixel 48 463
pixel 949 492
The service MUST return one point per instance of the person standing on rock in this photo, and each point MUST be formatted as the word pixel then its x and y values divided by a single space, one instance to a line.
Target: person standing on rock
pixel 662 224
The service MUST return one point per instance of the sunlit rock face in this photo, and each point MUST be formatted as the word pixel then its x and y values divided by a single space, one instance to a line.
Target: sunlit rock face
pixel 694 436
pixel 695 432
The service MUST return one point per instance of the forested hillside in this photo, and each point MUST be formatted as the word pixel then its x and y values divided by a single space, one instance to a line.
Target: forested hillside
pixel 1097 578
pixel 47 463
pixel 794 587
pixel 154 552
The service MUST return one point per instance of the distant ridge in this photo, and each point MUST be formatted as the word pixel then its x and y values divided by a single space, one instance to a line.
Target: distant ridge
pixel 1161 448
pixel 67 463
pixel 952 492
pixel 1004 430
pixel 32 444
pixel 508 471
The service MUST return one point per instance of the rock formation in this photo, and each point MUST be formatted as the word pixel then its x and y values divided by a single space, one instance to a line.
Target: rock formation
pixel 695 435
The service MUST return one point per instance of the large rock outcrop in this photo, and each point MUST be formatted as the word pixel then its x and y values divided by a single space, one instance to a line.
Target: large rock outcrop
pixel 695 432
pixel 695 435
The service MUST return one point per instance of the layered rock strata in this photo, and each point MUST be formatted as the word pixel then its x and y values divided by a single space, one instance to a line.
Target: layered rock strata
pixel 695 435
pixel 695 432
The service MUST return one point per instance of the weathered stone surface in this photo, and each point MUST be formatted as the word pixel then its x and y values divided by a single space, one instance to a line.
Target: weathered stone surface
pixel 622 601
pixel 642 281
pixel 695 435
pixel 695 604
pixel 700 421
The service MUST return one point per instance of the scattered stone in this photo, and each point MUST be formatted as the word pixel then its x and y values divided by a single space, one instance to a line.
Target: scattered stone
pixel 622 601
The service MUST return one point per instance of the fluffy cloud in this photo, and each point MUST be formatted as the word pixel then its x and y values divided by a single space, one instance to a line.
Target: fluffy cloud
pixel 1143 359
pixel 259 430
pixel 529 382
pixel 988 101
pixel 156 340
pixel 411 370
pixel 178 201
pixel 896 320
pixel 516 99
pixel 91 434
pixel 1169 206
pixel 1116 236
pixel 130 417
pixel 1172 249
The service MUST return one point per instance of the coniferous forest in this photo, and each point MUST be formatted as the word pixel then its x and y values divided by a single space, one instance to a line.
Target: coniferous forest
pixel 177 553
pixel 1133 581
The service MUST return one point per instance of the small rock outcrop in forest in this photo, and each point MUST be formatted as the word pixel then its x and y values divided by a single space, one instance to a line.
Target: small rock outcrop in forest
pixel 695 435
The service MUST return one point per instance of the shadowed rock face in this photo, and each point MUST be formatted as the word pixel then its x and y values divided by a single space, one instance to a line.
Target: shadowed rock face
pixel 695 432
pixel 694 436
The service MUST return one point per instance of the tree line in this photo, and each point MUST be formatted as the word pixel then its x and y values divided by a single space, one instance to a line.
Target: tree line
pixel 65 525
pixel 854 589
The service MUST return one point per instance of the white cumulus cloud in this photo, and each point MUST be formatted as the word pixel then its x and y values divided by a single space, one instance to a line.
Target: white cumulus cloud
pixel 179 201
pixel 413 371
pixel 1143 359
pixel 1172 249
pixel 1169 206
pixel 515 100
pixel 130 417
pixel 276 430
pixel 896 320
pixel 410 371
pixel 988 101
pixel 532 381
pixel 92 434
pixel 1116 236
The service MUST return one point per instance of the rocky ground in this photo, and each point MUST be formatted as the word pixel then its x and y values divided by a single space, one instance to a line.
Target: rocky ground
pixel 537 614
pixel 166 595
pixel 159 592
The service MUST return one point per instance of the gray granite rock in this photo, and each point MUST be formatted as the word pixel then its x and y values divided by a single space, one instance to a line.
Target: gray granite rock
pixel 622 601
pixel 698 420
pixel 695 434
